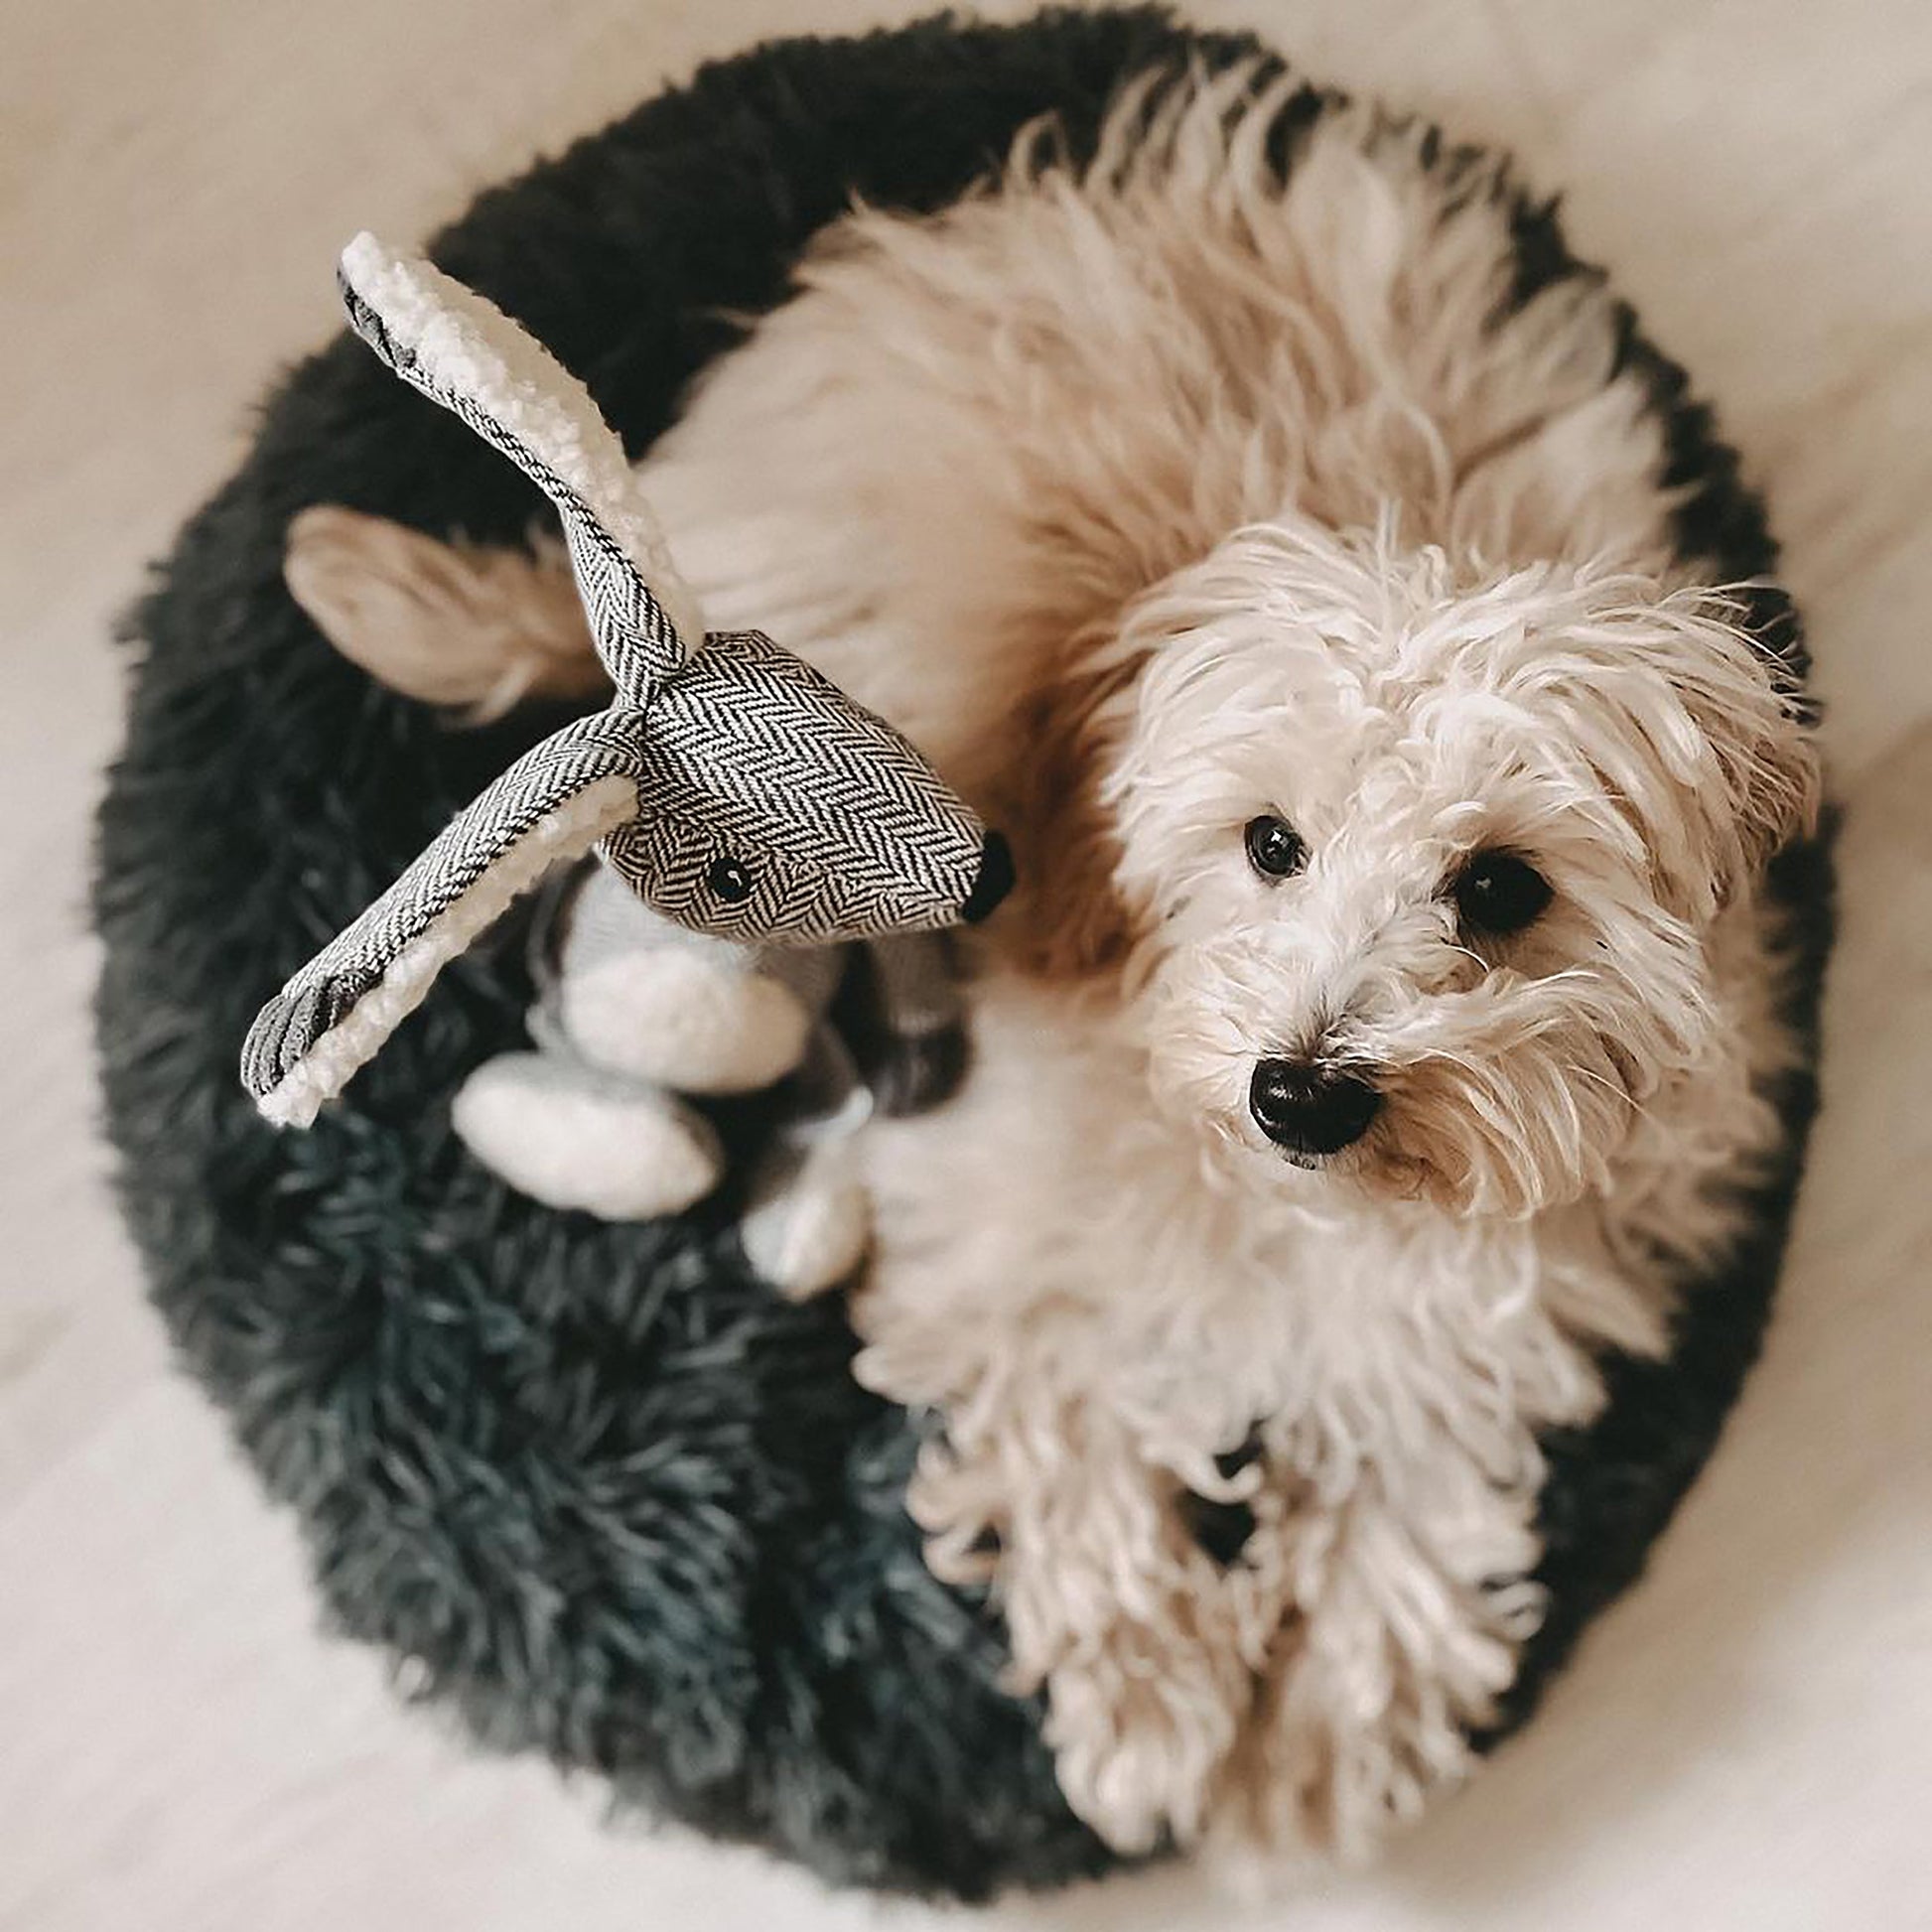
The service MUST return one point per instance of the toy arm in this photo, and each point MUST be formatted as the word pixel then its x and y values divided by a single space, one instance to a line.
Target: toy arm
pixel 554 803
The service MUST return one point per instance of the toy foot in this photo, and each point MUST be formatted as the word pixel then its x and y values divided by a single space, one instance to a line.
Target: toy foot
pixel 807 1232
pixel 572 1143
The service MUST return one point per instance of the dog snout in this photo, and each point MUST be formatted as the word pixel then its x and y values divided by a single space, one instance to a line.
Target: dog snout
pixel 994 881
pixel 1308 1110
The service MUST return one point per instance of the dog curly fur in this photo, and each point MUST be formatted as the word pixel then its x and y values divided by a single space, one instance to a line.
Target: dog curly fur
pixel 1149 492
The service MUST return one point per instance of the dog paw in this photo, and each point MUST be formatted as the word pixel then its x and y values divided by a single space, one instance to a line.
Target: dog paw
pixel 1140 1724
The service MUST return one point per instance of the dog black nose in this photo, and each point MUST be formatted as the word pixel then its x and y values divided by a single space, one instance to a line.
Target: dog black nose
pixel 1307 1111
pixel 993 883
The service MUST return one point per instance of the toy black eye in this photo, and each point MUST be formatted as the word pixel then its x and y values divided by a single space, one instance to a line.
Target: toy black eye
pixel 1499 892
pixel 1274 847
pixel 729 881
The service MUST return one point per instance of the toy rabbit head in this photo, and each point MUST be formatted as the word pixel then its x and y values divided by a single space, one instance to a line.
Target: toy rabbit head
pixel 729 783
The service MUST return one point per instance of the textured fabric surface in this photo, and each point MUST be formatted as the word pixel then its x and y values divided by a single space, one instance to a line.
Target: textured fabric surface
pixel 607 1495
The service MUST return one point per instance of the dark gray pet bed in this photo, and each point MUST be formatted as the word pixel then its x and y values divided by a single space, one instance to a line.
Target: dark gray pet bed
pixel 611 1497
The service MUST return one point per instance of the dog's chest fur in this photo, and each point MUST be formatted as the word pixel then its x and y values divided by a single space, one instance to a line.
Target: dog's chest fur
pixel 1050 1194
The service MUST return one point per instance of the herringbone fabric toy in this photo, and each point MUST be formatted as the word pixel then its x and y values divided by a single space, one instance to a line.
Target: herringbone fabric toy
pixel 731 786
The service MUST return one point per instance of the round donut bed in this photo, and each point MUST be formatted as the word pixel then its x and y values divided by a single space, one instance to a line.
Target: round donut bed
pixel 595 1486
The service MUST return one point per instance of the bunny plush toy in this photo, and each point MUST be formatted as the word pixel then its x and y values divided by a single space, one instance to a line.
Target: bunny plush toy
pixel 745 817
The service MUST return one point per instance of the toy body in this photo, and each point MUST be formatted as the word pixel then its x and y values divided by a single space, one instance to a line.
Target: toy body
pixel 634 1013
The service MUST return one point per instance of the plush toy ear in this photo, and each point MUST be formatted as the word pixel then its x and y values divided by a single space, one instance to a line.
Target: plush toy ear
pixel 457 348
pixel 552 806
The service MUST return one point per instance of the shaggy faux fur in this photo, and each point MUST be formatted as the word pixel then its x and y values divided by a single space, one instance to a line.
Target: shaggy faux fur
pixel 593 1483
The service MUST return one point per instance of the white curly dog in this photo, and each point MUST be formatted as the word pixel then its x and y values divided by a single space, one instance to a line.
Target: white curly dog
pixel 1383 1022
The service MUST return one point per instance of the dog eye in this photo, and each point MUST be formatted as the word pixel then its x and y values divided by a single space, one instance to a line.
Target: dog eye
pixel 1274 847
pixel 730 880
pixel 1499 892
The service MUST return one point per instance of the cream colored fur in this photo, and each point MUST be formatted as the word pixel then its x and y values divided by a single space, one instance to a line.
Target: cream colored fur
pixel 453 624
pixel 1276 489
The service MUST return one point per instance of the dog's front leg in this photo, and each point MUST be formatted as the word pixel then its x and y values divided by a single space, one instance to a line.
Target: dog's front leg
pixel 1407 1605
pixel 1111 1604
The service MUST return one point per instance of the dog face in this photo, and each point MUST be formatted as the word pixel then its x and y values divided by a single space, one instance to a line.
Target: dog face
pixel 1423 872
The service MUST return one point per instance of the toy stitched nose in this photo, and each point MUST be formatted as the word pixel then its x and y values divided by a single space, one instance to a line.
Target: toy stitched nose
pixel 993 883
pixel 1308 1111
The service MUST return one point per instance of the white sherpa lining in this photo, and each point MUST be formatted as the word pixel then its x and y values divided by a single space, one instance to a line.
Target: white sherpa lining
pixel 471 348
pixel 567 833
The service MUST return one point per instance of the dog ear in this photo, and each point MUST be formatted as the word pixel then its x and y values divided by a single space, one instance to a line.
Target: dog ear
pixel 1713 748
pixel 1766 783
pixel 1771 780
pixel 447 623
pixel 1074 919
